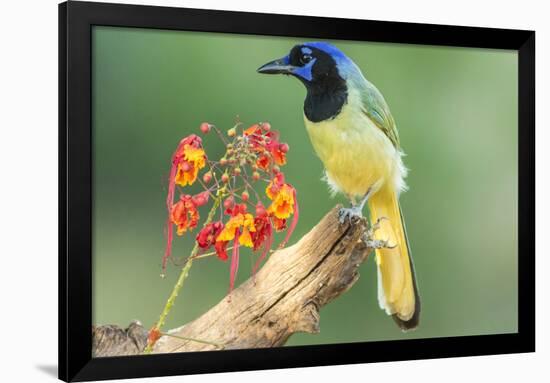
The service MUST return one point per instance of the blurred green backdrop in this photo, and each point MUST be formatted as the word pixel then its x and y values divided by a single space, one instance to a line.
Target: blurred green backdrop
pixel 456 111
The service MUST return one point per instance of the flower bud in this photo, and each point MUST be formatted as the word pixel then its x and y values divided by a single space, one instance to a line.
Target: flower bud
pixel 237 171
pixel 207 177
pixel 276 169
pixel 260 209
pixel 205 127
pixel 255 176
pixel 223 161
pixel 245 196
pixel 232 132
pixel 228 203
pixel 283 147
pixel 225 177
pixel 201 198
pixel 266 126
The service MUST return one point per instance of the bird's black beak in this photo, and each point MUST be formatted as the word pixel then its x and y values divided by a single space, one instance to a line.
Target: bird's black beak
pixel 279 66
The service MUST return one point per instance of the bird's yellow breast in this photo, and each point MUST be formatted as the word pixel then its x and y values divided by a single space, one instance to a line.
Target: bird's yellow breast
pixel 357 155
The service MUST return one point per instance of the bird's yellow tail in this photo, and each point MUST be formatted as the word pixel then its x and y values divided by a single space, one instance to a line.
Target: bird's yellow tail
pixel 397 290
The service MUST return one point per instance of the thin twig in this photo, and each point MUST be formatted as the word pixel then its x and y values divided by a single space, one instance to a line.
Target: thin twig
pixel 181 279
pixel 220 346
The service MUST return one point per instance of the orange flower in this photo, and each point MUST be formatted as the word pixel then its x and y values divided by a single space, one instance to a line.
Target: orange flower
pixel 192 160
pixel 279 224
pixel 275 185
pixel 278 151
pixel 263 162
pixel 278 156
pixel 237 229
pixel 284 204
pixel 253 130
pixel 282 196
pixel 233 226
pixel 268 145
pixel 184 214
pixel 186 162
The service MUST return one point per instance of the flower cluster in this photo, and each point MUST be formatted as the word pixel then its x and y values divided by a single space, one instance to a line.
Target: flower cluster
pixel 249 213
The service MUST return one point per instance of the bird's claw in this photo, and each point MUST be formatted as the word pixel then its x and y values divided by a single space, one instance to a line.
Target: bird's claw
pixel 349 214
pixel 371 242
pixel 375 226
pixel 378 244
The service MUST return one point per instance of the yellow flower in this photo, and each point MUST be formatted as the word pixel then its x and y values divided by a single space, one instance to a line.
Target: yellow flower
pixel 244 221
pixel 193 159
pixel 283 201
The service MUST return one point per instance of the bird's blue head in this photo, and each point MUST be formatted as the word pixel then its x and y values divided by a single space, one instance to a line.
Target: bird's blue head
pixel 324 70
pixel 310 62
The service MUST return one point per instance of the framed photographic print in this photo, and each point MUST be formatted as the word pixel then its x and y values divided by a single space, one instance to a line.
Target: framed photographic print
pixel 247 191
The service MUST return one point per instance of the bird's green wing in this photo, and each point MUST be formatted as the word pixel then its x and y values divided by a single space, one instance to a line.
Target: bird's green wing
pixel 376 108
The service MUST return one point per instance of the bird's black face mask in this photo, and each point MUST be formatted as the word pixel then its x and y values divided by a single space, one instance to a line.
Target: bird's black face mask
pixel 318 71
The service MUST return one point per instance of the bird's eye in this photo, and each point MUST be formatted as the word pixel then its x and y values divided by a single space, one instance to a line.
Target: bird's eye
pixel 305 59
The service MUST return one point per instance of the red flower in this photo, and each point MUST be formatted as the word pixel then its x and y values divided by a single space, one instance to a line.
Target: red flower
pixel 241 228
pixel 276 149
pixel 234 209
pixel 255 135
pixel 263 162
pixel 221 250
pixel 189 162
pixel 206 238
pixel 263 227
pixel 186 161
pixel 278 223
pixel 262 235
pixel 267 145
pixel 184 214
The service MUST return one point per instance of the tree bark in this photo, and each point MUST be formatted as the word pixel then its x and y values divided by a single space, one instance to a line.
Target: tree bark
pixel 284 297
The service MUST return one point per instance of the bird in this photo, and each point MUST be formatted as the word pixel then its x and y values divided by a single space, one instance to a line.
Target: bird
pixel 352 131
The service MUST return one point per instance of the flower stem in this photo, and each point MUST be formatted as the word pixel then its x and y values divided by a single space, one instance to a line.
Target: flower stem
pixel 206 255
pixel 181 279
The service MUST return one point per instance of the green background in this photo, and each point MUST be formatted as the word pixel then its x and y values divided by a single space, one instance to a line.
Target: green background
pixel 456 111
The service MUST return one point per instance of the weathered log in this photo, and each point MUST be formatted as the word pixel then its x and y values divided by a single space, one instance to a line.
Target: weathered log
pixel 284 297
pixel 111 340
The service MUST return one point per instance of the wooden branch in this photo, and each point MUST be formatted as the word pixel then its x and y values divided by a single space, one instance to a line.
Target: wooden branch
pixel 111 340
pixel 284 298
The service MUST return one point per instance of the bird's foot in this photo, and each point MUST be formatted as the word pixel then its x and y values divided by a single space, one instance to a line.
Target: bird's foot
pixel 375 226
pixel 377 243
pixel 349 214
pixel 373 243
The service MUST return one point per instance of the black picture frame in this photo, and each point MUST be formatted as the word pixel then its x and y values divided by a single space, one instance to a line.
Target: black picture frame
pixel 75 190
